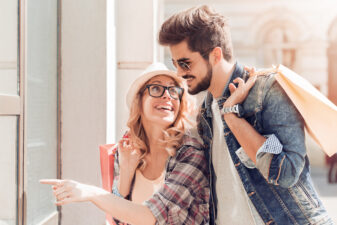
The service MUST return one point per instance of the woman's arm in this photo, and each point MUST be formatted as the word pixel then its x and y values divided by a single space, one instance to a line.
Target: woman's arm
pixel 123 210
pixel 184 197
pixel 68 191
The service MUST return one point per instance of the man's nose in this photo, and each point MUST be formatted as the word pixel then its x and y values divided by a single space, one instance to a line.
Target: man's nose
pixel 180 72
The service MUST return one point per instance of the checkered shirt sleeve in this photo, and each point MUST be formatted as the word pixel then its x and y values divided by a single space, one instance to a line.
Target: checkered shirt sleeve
pixel 184 197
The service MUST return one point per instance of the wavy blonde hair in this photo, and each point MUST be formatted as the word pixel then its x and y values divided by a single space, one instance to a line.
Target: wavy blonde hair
pixel 172 135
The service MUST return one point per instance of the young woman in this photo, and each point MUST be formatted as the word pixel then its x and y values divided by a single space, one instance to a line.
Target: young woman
pixel 161 175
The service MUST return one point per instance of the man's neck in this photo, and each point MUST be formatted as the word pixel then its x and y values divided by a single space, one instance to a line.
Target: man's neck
pixel 221 74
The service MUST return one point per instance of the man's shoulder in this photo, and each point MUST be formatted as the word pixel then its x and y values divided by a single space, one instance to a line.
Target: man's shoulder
pixel 265 78
pixel 264 82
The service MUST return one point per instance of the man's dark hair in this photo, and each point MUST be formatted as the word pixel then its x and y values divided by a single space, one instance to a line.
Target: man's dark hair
pixel 202 28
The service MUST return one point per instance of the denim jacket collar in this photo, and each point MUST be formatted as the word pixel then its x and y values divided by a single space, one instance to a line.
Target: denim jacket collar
pixel 277 192
pixel 237 72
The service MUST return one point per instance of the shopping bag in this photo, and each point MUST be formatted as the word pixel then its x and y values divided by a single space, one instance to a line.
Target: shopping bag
pixel 318 112
pixel 107 158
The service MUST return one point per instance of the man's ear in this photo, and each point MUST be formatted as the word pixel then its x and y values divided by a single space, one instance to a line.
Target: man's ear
pixel 215 56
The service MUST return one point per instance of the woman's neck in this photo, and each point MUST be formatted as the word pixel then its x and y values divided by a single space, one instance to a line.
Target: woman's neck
pixel 155 135
pixel 157 154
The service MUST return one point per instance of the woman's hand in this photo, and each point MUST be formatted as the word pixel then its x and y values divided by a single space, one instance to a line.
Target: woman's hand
pixel 68 191
pixel 128 156
pixel 239 94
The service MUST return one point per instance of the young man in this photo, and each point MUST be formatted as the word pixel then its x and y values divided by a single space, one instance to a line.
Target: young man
pixel 253 134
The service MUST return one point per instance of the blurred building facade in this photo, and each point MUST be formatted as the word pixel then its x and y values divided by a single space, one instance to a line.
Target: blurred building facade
pixel 65 68
pixel 301 35
pixel 298 34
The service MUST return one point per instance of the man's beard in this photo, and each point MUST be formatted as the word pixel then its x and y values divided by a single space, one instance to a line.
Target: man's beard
pixel 204 83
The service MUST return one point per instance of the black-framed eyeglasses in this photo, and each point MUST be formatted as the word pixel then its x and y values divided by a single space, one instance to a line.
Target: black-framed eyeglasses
pixel 157 90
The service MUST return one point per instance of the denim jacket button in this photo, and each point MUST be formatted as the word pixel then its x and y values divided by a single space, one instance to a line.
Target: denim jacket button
pixel 251 193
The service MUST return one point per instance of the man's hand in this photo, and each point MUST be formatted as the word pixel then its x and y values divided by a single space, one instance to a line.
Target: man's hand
pixel 239 94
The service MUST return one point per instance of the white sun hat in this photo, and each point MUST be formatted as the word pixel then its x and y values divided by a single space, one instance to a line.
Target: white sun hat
pixel 153 70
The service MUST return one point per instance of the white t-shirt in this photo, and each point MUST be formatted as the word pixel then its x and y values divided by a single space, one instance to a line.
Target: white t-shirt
pixel 234 206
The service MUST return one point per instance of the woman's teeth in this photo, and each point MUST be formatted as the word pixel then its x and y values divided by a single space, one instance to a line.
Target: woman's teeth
pixel 164 108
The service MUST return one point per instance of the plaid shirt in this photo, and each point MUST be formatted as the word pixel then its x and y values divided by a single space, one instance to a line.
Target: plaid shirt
pixel 184 197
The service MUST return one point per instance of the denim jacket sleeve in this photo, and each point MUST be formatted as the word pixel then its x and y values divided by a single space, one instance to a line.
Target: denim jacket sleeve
pixel 281 118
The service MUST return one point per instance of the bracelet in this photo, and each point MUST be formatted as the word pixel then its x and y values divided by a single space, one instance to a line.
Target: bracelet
pixel 236 109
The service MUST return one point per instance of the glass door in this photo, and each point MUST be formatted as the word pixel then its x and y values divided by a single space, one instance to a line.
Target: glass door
pixel 28 110
pixel 41 110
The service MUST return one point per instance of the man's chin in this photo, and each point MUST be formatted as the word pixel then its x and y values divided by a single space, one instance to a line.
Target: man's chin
pixel 193 91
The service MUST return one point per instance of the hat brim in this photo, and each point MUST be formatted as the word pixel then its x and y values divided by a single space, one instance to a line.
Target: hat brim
pixel 140 81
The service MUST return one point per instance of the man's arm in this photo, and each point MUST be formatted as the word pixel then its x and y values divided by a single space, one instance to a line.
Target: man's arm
pixel 249 139
pixel 280 158
pixel 281 119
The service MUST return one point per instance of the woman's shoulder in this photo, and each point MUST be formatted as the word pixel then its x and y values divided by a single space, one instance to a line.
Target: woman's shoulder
pixel 190 140
pixel 190 145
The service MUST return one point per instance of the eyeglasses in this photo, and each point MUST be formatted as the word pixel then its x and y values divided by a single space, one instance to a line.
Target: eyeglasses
pixel 157 90
pixel 185 64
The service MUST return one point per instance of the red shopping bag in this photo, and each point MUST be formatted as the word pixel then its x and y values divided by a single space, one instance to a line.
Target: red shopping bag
pixel 107 158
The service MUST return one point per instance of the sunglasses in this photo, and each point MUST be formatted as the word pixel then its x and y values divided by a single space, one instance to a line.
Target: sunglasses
pixel 185 66
pixel 157 90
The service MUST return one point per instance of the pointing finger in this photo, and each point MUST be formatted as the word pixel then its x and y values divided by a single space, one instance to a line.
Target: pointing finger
pixel 51 181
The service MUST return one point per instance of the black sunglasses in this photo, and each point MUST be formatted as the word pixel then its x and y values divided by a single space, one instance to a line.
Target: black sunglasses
pixel 157 90
pixel 185 66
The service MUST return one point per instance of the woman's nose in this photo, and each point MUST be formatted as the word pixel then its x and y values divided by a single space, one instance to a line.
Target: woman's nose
pixel 166 94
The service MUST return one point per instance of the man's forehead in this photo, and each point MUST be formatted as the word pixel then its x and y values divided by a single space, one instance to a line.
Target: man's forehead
pixel 180 51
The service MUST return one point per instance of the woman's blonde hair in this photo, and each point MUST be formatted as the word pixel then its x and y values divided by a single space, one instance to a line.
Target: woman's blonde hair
pixel 172 135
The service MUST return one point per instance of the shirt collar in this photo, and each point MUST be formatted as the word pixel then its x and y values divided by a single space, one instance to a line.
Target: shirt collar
pixel 237 72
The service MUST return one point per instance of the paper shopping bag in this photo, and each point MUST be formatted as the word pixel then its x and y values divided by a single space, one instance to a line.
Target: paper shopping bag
pixel 318 112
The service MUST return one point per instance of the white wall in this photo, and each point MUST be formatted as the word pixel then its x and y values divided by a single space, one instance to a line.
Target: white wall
pixel 137 47
pixel 96 73
pixel 8 124
pixel 83 97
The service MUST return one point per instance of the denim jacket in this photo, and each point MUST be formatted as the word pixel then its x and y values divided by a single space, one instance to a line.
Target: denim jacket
pixel 279 185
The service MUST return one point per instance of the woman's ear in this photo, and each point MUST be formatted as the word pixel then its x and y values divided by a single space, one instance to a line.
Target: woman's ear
pixel 215 56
